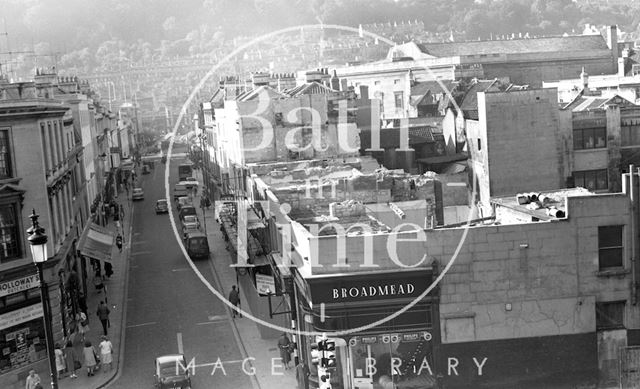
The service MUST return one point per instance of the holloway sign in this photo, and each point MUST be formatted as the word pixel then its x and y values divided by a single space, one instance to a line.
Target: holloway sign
pixel 372 286
pixel 19 285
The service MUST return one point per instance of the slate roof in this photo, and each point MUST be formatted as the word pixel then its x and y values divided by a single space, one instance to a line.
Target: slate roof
pixel 516 46
pixel 420 90
pixel 310 88
pixel 587 103
pixel 390 137
pixel 470 101
pixel 255 93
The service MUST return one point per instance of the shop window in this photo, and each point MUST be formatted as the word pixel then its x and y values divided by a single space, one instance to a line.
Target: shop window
pixel 610 315
pixel 610 247
pixel 22 344
pixel 9 233
pixel 589 138
pixel 591 179
pixel 5 155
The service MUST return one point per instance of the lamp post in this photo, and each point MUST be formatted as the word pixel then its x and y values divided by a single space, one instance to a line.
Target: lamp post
pixel 38 241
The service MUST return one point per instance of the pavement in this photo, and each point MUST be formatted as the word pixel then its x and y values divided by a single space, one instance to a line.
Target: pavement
pixel 115 297
pixel 268 373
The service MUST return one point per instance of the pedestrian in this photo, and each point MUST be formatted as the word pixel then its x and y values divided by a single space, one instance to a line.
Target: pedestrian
pixel 283 345
pixel 90 358
pixel 72 359
pixel 33 381
pixel 106 352
pixel 108 269
pixel 302 375
pixel 103 314
pixel 119 242
pixel 83 324
pixel 121 212
pixel 234 298
pixel 60 360
pixel 82 302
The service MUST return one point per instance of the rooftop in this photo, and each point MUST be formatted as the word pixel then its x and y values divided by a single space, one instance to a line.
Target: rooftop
pixel 542 206
pixel 584 43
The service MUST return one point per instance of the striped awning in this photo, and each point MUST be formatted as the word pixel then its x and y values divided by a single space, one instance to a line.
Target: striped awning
pixel 96 242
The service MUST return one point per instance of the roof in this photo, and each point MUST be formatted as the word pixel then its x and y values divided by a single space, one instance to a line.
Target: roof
pixel 544 201
pixel 589 103
pixel 421 89
pixel 390 137
pixel 310 88
pixel 260 91
pixel 470 100
pixel 585 43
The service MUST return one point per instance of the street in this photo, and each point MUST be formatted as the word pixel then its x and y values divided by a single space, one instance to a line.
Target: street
pixel 168 309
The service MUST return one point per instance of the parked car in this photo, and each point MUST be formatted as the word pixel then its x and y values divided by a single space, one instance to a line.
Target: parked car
pixel 170 374
pixel 186 210
pixel 138 194
pixel 162 206
pixel 183 201
pixel 187 229
pixel 192 179
pixel 196 244
pixel 190 220
pixel 181 189
pixel 189 184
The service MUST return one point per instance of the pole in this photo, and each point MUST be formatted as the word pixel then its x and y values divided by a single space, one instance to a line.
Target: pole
pixel 48 331
pixel 204 171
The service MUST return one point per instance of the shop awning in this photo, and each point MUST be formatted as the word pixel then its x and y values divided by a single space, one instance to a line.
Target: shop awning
pixel 96 242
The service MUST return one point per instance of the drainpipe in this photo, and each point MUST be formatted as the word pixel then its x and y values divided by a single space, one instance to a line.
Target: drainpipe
pixel 634 238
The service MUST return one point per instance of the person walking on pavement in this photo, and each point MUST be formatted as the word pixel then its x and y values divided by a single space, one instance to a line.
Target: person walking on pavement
pixel 33 380
pixel 103 314
pixel 234 298
pixel 72 359
pixel 302 375
pixel 283 345
pixel 106 353
pixel 90 358
pixel 119 242
pixel 83 324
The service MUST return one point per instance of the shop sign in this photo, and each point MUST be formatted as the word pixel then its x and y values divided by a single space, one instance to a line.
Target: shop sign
pixel 20 316
pixel 370 288
pixel 265 284
pixel 19 285
pixel 392 338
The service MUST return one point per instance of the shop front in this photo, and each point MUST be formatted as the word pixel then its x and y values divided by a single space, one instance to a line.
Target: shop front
pixel 372 351
pixel 22 334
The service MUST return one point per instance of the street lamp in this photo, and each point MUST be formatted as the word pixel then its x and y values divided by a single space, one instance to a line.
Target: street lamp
pixel 38 241
pixel 205 178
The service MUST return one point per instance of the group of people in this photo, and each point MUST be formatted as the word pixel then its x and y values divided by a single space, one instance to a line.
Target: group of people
pixel 69 362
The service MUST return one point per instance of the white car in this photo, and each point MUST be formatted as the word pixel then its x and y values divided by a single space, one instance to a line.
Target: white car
pixel 138 194
pixel 190 221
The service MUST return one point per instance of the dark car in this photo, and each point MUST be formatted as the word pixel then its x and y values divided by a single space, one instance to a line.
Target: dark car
pixel 171 372
pixel 187 210
pixel 196 244
pixel 162 206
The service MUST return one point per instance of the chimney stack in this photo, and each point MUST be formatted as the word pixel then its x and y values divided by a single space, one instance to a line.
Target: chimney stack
pixel 612 42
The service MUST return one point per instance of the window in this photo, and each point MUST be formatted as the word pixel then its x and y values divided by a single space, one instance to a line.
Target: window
pixel 610 247
pixel 479 144
pixel 610 315
pixel 591 179
pixel 376 83
pixel 9 233
pixel 635 69
pixel 589 138
pixel 399 98
pixel 5 155
pixel 396 81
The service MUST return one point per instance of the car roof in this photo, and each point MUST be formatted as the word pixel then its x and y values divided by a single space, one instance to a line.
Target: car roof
pixel 169 358
pixel 196 234
pixel 137 188
pixel 161 201
pixel 187 207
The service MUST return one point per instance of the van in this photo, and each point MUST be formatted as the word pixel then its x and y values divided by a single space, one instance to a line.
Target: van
pixel 196 244
pixel 180 190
